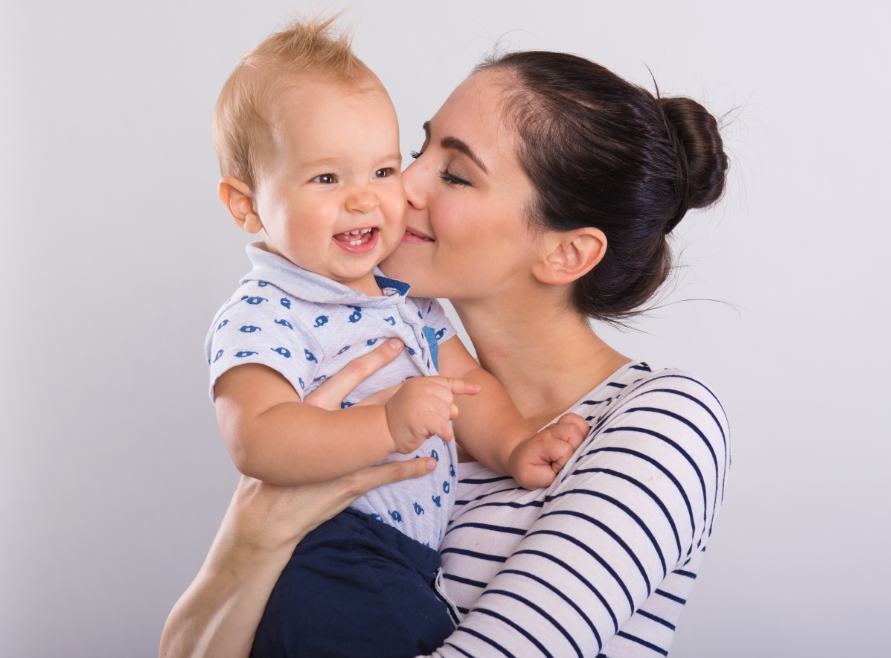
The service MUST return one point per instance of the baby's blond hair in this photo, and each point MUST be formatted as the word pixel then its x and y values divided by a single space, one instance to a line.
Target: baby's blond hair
pixel 311 46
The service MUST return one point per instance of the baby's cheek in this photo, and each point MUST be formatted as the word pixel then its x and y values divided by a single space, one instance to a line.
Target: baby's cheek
pixel 395 207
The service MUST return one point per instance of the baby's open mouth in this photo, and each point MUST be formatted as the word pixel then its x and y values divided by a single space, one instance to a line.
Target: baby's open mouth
pixel 357 241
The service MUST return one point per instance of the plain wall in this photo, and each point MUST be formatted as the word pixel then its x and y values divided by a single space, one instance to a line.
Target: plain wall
pixel 116 253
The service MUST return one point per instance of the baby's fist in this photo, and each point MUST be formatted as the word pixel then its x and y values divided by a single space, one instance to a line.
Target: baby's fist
pixel 422 407
pixel 535 462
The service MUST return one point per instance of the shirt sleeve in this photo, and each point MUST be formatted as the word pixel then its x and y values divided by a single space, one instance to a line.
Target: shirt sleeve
pixel 637 502
pixel 434 318
pixel 257 326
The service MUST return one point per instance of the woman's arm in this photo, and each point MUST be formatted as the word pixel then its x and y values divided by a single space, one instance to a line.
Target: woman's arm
pixel 637 503
pixel 218 614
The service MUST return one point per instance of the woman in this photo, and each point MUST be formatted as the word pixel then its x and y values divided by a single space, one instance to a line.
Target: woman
pixel 542 197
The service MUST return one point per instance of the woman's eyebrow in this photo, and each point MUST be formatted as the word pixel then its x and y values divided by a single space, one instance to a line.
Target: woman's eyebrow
pixel 457 145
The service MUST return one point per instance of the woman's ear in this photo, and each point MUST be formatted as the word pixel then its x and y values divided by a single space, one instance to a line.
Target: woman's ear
pixel 568 256
pixel 239 201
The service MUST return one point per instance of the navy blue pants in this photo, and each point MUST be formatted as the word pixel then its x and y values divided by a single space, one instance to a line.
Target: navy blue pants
pixel 355 588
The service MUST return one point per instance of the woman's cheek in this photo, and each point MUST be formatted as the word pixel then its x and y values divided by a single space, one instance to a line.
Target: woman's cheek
pixel 456 225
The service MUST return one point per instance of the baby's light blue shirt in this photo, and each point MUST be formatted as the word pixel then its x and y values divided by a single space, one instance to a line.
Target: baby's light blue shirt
pixel 307 327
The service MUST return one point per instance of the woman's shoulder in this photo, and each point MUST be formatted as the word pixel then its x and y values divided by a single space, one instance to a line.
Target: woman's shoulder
pixel 637 386
pixel 663 414
pixel 663 433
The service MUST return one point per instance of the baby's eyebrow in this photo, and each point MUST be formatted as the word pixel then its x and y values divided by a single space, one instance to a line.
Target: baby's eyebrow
pixel 321 162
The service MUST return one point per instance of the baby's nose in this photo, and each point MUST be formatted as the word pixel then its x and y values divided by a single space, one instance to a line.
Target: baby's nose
pixel 362 200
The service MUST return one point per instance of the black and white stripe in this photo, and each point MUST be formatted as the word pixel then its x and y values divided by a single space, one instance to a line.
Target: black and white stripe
pixel 602 562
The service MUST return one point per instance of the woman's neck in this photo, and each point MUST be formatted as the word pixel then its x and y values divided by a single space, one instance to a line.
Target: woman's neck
pixel 547 358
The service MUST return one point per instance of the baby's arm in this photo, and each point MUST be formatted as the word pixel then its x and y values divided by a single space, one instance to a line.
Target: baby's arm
pixel 490 427
pixel 272 436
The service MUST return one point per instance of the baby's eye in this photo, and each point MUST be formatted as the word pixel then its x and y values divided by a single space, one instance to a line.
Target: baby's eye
pixel 384 173
pixel 325 179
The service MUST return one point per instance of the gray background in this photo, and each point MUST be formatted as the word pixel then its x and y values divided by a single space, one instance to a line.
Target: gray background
pixel 116 253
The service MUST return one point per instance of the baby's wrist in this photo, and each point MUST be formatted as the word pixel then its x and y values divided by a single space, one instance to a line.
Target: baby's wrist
pixel 511 449
pixel 520 468
pixel 512 461
pixel 389 434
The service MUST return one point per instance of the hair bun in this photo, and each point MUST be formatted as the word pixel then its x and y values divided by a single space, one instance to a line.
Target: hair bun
pixel 697 131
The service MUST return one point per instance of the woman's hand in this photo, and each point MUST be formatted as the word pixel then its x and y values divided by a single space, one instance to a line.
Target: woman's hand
pixel 219 613
pixel 270 516
pixel 332 392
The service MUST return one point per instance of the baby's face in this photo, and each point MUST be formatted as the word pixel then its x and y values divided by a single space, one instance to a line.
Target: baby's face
pixel 329 192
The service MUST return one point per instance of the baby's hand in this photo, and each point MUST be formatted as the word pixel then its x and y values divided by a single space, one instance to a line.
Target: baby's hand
pixel 536 461
pixel 422 407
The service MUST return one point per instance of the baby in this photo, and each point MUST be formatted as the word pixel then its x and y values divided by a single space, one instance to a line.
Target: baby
pixel 308 144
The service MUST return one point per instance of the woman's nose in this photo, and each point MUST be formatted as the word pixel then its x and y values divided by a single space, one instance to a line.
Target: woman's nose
pixel 362 200
pixel 412 180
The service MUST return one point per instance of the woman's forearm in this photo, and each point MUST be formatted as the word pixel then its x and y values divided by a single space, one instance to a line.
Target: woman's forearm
pixel 219 613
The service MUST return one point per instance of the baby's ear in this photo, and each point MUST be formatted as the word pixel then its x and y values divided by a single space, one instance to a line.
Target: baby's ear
pixel 238 198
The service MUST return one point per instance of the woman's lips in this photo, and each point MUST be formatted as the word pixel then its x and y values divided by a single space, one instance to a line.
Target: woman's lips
pixel 358 241
pixel 413 236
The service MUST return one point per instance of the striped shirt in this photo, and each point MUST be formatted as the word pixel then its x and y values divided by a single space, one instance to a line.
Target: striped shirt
pixel 601 562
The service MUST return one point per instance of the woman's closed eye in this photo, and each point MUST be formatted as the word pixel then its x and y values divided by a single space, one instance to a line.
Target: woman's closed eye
pixel 445 174
pixel 451 179
pixel 325 179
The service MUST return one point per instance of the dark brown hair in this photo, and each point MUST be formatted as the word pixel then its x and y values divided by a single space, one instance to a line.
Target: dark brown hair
pixel 605 153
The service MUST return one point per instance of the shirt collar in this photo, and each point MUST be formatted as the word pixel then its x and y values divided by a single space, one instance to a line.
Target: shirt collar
pixel 312 287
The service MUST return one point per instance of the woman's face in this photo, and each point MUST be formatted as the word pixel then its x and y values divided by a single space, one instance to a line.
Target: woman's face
pixel 468 235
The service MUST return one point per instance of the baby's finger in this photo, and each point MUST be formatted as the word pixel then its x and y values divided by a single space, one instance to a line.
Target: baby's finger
pixel 568 434
pixel 331 393
pixel 459 386
pixel 571 428
pixel 437 424
pixel 537 476
pixel 558 453
pixel 575 421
